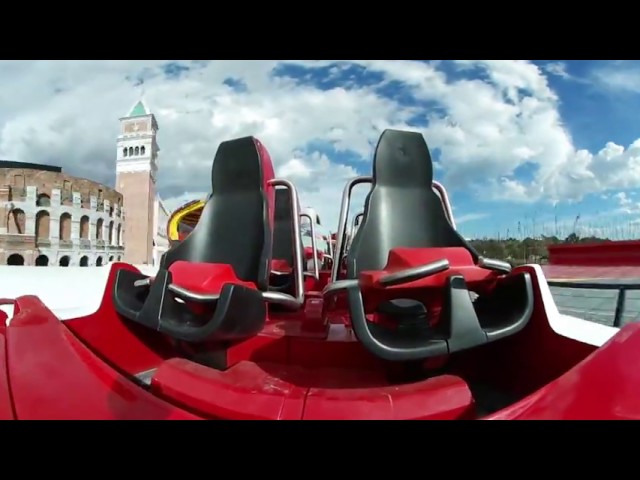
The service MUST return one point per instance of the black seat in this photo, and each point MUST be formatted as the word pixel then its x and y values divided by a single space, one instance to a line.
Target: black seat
pixel 283 227
pixel 234 229
pixel 402 210
pixel 283 254
pixel 234 226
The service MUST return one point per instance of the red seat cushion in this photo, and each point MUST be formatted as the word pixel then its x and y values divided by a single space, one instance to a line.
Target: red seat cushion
pixel 460 262
pixel 204 278
pixel 280 266
pixel 308 254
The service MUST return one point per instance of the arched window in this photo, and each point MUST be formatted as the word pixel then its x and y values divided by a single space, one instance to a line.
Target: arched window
pixel 142 150
pixel 17 220
pixel 137 151
pixel 65 227
pixel 43 200
pixel 15 259
pixel 125 152
pixel 42 225
pixel 84 227
pixel 99 226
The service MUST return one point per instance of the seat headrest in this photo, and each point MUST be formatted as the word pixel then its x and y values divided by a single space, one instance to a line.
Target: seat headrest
pixel 402 159
pixel 240 165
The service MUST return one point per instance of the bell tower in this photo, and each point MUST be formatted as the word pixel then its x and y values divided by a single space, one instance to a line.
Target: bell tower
pixel 136 169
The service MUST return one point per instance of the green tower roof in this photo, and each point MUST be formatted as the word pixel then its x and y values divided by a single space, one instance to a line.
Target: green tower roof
pixel 138 110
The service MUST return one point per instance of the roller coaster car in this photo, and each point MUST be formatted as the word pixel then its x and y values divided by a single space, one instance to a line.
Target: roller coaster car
pixel 416 326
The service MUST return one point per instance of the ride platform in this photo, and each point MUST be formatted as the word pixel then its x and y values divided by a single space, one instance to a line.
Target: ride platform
pixel 609 295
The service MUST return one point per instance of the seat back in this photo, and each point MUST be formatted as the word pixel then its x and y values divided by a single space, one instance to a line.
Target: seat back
pixel 235 226
pixel 401 209
pixel 283 227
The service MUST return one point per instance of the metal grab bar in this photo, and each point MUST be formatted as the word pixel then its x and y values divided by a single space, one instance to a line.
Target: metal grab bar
pixel 186 294
pixel 344 217
pixel 448 210
pixel 283 298
pixel 342 223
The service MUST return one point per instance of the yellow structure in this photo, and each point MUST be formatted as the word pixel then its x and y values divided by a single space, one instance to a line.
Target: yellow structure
pixel 183 220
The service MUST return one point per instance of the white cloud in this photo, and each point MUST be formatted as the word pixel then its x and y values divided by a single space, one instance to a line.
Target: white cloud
pixel 503 117
pixel 626 205
pixel 469 217
pixel 618 76
pixel 558 69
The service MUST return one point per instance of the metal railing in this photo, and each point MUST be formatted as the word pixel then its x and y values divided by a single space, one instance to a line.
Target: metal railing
pixel 341 237
pixel 621 287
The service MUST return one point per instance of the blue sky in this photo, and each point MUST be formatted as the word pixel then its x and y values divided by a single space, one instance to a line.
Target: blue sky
pixel 593 113
pixel 523 147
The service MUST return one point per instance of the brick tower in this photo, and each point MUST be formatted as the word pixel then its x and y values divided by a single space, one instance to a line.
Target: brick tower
pixel 136 169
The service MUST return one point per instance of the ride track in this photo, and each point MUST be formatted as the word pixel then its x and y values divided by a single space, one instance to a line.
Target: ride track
pixel 410 324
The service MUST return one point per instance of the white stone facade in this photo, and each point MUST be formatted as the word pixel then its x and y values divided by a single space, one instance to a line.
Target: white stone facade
pixel 48 231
